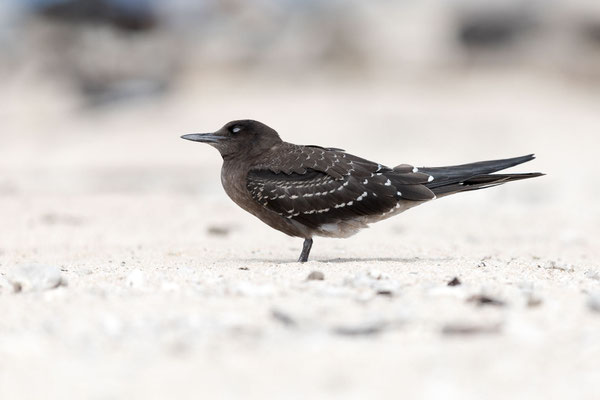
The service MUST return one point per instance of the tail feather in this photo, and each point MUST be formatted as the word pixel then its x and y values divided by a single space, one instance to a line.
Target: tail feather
pixel 473 176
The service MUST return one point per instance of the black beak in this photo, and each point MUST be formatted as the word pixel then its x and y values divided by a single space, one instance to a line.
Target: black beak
pixel 203 137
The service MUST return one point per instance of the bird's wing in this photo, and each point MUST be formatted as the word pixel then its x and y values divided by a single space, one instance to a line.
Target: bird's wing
pixel 317 186
pixel 290 158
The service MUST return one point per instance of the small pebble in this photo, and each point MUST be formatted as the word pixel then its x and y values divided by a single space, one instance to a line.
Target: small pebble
pixel 218 230
pixel 35 277
pixel 454 282
pixel 533 301
pixel 457 329
pixel 315 276
pixel 364 329
pixel 484 300
pixel 283 317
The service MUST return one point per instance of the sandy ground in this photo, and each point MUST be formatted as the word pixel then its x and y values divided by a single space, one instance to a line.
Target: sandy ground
pixel 170 291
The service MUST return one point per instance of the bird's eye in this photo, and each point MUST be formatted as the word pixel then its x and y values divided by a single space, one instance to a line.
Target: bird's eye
pixel 236 129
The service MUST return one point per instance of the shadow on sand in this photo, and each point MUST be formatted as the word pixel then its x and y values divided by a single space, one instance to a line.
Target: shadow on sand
pixel 345 260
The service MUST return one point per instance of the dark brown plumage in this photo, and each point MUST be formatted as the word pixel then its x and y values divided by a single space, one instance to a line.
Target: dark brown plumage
pixel 307 191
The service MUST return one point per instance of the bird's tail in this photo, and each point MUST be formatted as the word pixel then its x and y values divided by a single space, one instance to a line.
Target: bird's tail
pixel 478 175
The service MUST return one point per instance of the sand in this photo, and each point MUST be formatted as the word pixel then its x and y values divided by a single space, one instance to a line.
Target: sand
pixel 168 290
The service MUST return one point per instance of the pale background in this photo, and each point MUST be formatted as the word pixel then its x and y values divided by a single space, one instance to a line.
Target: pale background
pixel 94 180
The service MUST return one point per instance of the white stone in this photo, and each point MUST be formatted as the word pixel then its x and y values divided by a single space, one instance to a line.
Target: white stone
pixel 35 277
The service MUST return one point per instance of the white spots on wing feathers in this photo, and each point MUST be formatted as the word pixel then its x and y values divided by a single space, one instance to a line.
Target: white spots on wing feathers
pixel 344 185
pixel 313 190
pixel 362 196
pixel 291 213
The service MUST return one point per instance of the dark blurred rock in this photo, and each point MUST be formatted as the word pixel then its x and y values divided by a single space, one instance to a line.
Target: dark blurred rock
pixel 127 16
pixel 491 29
pixel 483 300
pixel 590 32
pixel 454 282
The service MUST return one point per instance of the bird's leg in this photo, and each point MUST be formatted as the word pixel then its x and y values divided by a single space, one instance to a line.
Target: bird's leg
pixel 305 250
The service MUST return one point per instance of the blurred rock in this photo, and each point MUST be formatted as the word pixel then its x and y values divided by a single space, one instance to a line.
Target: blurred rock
pixel 454 282
pixel 315 276
pixel 132 16
pixel 533 301
pixel 594 302
pixel 365 328
pixel 35 277
pixel 460 329
pixel 489 28
pixel 218 230
pixel 284 318
pixel 484 300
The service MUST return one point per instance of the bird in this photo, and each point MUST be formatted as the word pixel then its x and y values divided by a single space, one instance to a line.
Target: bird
pixel 307 190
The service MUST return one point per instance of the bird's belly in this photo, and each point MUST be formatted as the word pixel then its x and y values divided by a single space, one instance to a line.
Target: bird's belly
pixel 348 227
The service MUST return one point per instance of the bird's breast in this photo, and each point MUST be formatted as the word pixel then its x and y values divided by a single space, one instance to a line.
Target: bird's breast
pixel 234 182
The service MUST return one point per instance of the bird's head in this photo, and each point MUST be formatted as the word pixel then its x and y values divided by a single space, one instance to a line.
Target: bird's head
pixel 243 137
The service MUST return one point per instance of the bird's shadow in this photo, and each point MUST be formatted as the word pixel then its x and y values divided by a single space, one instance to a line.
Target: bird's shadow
pixel 339 260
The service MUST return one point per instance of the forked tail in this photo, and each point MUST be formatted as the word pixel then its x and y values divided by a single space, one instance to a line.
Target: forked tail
pixel 478 175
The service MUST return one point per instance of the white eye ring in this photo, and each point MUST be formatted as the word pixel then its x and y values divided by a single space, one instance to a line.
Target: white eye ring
pixel 236 129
